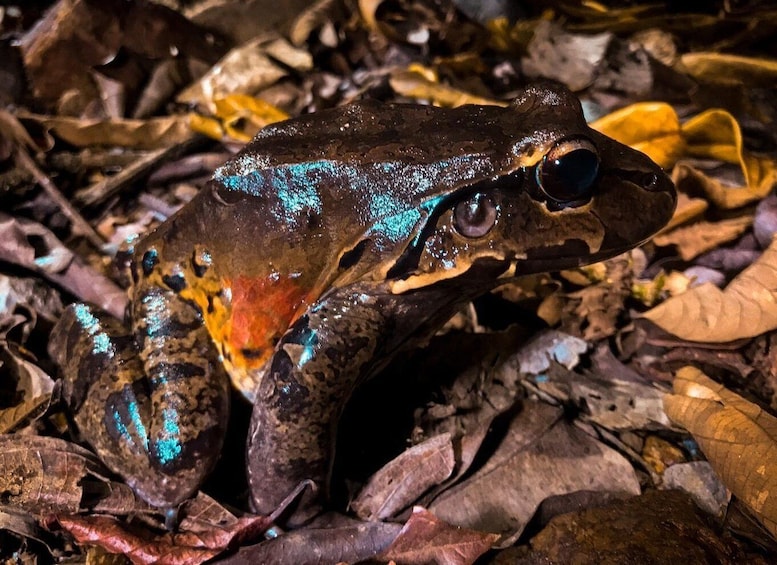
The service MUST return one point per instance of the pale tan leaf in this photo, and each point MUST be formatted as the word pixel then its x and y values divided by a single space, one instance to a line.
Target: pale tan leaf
pixel 688 208
pixel 247 69
pixel 694 239
pixel 419 83
pixel 737 437
pixel 746 308
pixel 153 133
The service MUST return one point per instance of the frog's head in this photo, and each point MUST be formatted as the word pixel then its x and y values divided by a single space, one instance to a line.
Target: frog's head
pixel 561 195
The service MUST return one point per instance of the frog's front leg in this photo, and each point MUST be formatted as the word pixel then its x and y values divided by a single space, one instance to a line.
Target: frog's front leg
pixel 316 366
pixel 347 337
pixel 154 402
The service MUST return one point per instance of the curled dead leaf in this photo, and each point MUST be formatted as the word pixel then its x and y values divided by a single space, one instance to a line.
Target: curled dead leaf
pixel 138 134
pixel 419 83
pixel 247 69
pixel 650 127
pixel 715 134
pixel 694 239
pixel 738 438
pixel 238 116
pixel 746 308
pixel 727 68
pixel 427 539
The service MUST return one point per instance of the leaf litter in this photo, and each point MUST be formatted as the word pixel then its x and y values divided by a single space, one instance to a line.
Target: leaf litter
pixel 529 444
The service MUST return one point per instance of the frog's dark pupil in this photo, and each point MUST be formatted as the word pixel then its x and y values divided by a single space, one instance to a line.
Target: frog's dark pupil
pixel 570 176
pixel 475 216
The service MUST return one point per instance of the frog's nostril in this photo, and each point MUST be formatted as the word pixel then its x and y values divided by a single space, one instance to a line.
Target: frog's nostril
pixel 650 181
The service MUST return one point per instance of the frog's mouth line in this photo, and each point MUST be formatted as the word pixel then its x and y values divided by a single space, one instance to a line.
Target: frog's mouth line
pixel 573 253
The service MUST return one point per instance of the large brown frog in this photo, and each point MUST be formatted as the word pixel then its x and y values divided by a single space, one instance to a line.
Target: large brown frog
pixel 327 245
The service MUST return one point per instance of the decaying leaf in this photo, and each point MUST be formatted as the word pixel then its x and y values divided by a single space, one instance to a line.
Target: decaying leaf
pixel 426 539
pixel 746 308
pixel 539 457
pixel 67 52
pixel 111 535
pixel 570 58
pixel 32 391
pixel 44 474
pixel 738 438
pixel 352 542
pixel 404 479
pixel 610 394
pixel 535 357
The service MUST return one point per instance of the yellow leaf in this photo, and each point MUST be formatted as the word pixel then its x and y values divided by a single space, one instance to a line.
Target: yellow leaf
pixel 238 116
pixel 245 115
pixel 746 308
pixel 417 84
pixel 206 126
pixel 650 127
pixel 737 437
pixel 724 68
pixel 715 134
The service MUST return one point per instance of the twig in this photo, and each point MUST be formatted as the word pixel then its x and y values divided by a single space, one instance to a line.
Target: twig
pixel 80 225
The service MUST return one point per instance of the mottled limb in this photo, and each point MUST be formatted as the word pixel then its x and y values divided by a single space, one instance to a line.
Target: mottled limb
pixel 154 404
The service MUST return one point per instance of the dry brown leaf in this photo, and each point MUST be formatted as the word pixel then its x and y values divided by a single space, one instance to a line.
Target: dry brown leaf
pixel 247 69
pixel 746 308
pixel 137 134
pixel 725 68
pixel 688 208
pixel 32 246
pixel 694 239
pixel 350 542
pixel 32 392
pixel 405 478
pixel 111 535
pixel 539 457
pixel 650 127
pixel 43 474
pixel 421 84
pixel 715 134
pixel 738 438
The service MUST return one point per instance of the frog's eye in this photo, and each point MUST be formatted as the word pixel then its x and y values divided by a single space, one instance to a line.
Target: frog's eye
pixel 475 216
pixel 568 171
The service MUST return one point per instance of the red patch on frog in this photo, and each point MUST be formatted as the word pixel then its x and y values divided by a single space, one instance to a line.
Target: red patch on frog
pixel 262 310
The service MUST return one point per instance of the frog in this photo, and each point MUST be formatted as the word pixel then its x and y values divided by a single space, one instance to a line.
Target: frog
pixel 327 246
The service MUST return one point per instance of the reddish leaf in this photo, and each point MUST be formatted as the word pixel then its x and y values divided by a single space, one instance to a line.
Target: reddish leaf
pixel 425 539
pixel 143 547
